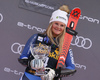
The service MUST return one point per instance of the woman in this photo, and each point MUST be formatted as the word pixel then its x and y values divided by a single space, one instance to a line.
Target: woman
pixel 53 37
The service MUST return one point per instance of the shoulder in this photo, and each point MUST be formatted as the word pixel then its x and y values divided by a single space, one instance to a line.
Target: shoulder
pixel 34 35
pixel 41 34
pixel 38 36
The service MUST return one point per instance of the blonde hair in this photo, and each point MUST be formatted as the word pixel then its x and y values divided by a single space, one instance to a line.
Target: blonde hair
pixel 65 8
pixel 59 38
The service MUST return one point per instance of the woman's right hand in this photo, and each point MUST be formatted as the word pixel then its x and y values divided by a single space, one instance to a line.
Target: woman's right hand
pixel 24 62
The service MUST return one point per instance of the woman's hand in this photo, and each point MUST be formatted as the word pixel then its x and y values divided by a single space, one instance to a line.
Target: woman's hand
pixel 36 64
pixel 49 74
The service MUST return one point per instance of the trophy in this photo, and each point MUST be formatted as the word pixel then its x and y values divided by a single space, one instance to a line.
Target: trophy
pixel 40 53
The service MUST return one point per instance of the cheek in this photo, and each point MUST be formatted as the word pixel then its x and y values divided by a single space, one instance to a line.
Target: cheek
pixel 53 27
pixel 62 29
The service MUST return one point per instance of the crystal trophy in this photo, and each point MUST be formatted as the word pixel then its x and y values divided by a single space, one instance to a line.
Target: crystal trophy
pixel 40 52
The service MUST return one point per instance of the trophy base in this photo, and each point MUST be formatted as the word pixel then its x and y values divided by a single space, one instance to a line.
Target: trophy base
pixel 40 72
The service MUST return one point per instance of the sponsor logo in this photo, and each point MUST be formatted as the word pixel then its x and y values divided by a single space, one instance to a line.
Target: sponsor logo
pixel 9 70
pixel 19 48
pixel 71 55
pixel 1 17
pixel 21 24
pixel 40 38
pixel 80 66
pixel 61 18
pixel 80 41
pixel 39 5
pixel 75 13
pixel 89 19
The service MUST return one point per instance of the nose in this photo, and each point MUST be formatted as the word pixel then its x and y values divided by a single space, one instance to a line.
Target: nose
pixel 58 26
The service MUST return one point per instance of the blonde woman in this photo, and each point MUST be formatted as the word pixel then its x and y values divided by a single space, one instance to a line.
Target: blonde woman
pixel 53 37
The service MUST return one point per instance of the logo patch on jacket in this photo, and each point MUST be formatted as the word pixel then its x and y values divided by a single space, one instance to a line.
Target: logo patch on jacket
pixel 40 38
pixel 54 54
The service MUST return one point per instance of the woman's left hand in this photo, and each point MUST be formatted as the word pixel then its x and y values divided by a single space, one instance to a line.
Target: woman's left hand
pixel 50 74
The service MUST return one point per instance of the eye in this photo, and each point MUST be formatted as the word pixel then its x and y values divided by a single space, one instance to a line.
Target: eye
pixel 56 23
pixel 62 25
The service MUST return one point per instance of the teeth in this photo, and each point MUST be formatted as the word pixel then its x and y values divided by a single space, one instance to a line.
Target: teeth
pixel 57 29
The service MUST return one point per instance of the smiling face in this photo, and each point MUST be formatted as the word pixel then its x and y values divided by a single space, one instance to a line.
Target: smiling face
pixel 57 28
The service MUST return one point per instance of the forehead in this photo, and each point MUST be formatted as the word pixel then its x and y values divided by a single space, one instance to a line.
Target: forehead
pixel 59 22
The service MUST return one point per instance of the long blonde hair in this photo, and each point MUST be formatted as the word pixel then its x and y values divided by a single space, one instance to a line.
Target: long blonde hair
pixel 59 38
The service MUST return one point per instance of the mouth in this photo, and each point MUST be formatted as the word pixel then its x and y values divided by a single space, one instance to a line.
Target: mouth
pixel 57 29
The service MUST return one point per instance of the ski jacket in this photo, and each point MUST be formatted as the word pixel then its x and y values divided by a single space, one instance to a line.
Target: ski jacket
pixel 53 56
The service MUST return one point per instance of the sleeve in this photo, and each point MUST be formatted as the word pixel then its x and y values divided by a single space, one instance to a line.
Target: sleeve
pixel 26 52
pixel 70 60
